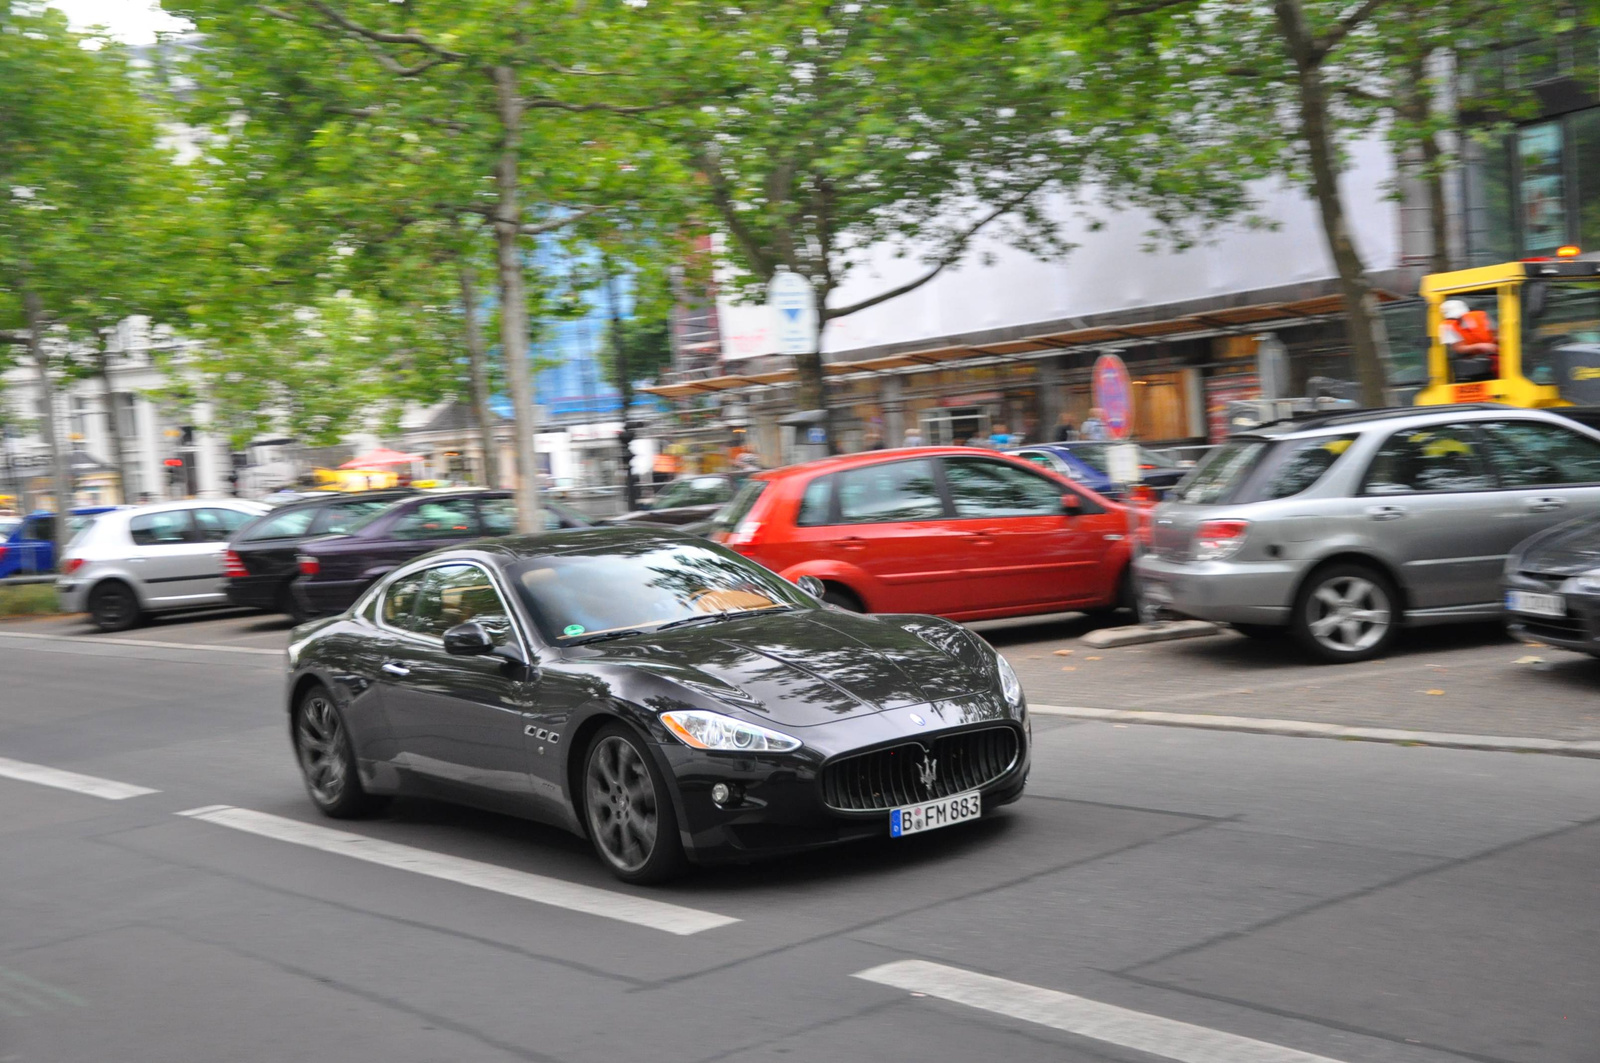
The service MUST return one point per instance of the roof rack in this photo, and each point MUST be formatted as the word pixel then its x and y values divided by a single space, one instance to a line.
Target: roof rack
pixel 1319 419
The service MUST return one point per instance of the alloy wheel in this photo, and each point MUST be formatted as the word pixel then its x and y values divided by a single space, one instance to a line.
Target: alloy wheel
pixel 113 608
pixel 319 739
pixel 620 799
pixel 1349 614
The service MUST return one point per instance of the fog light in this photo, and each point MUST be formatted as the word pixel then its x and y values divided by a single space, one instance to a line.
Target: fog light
pixel 720 793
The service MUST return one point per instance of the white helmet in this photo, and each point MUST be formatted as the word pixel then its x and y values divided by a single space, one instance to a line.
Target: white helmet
pixel 1454 309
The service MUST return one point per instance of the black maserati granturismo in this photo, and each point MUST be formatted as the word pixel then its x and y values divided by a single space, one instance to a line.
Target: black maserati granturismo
pixel 656 693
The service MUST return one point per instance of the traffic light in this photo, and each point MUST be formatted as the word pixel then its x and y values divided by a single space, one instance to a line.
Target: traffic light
pixel 186 437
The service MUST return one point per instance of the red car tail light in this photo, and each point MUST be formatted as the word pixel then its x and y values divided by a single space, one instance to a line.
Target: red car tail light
pixel 309 566
pixel 232 566
pixel 68 565
pixel 1218 540
pixel 744 534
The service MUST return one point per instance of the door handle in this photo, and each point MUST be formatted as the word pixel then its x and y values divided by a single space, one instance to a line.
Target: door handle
pixel 1545 504
pixel 135 560
pixel 852 542
pixel 1385 512
pixel 396 668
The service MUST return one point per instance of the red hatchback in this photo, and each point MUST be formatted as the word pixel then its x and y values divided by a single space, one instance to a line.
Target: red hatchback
pixel 957 532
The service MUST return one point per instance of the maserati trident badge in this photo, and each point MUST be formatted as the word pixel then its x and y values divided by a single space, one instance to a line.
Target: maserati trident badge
pixel 928 771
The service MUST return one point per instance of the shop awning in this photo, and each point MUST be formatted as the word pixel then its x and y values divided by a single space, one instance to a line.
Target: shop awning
pixel 1258 315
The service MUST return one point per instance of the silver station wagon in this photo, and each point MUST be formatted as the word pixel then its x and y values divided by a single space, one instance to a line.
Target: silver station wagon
pixel 1341 529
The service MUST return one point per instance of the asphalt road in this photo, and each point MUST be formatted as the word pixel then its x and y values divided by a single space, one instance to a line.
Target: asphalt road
pixel 1160 893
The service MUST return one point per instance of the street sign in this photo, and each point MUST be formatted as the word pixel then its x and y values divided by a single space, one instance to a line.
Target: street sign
pixel 816 436
pixel 1122 464
pixel 793 303
pixel 1112 391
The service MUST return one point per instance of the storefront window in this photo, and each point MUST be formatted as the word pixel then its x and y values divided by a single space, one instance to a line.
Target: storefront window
pixel 1586 153
pixel 1542 196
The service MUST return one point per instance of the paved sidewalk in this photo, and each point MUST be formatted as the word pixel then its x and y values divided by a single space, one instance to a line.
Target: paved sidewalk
pixel 1462 680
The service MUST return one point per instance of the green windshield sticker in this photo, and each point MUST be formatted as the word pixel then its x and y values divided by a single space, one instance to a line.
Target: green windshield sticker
pixel 573 629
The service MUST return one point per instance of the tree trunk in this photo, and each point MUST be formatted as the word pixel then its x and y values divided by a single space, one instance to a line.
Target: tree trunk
pixel 60 469
pixel 1368 339
pixel 813 381
pixel 482 416
pixel 624 375
pixel 1438 216
pixel 119 456
pixel 513 298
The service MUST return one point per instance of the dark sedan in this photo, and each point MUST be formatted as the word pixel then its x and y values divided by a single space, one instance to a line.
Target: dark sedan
pixel 262 558
pixel 1087 463
pixel 657 693
pixel 1552 587
pixel 335 569
pixel 685 501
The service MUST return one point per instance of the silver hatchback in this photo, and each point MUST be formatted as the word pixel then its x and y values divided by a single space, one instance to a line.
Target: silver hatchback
pixel 146 559
pixel 1340 529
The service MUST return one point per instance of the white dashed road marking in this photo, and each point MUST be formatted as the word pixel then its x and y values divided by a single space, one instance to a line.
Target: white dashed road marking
pixel 641 911
pixel 1167 1038
pixel 109 789
pixel 96 640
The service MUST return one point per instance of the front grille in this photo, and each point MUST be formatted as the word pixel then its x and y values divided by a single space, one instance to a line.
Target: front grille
pixel 890 778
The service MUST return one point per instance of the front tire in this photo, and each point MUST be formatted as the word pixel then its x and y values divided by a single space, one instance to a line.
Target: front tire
pixel 1346 613
pixel 113 606
pixel 628 808
pixel 843 597
pixel 327 758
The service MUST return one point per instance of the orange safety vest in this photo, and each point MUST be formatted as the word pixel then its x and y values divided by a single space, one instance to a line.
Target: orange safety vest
pixel 1475 328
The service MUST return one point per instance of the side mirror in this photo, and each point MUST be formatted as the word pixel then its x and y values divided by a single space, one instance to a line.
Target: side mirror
pixel 1071 504
pixel 468 640
pixel 811 585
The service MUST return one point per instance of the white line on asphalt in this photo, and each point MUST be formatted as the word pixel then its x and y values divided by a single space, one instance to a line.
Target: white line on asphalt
pixel 109 789
pixel 1167 1038
pixel 658 915
pixel 1311 729
pixel 96 640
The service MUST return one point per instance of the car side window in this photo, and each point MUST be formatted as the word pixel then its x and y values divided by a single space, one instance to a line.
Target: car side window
pixel 1435 459
pixel 1537 454
pixel 454 594
pixel 981 488
pixel 166 527
pixel 892 492
pixel 1039 458
pixel 40 528
pixel 336 520
pixel 400 601
pixel 282 526
pixel 696 491
pixel 816 503
pixel 1305 463
pixel 217 525
pixel 444 518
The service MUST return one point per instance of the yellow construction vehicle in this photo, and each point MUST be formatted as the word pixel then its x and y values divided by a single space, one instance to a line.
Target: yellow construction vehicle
pixel 1543 313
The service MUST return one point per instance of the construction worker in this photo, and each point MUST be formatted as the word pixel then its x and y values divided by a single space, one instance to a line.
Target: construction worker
pixel 1469 334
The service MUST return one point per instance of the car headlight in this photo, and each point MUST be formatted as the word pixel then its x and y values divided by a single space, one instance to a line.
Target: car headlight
pixel 700 729
pixel 1583 583
pixel 1010 686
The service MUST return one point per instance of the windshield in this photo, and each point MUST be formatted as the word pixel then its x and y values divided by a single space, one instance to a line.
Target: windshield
pixel 728 517
pixel 645 585
pixel 1096 454
pixel 1220 472
pixel 1557 315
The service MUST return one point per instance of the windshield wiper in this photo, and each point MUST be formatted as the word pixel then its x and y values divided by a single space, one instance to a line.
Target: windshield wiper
pixel 604 636
pixel 727 614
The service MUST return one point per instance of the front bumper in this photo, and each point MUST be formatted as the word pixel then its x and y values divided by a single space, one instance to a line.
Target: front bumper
pixel 1579 630
pixel 1227 592
pixel 781 808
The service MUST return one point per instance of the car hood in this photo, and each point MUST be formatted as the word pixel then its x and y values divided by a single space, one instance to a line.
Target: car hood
pixel 1566 550
pixel 799 669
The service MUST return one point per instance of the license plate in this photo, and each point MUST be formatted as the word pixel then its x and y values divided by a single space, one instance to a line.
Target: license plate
pixel 1537 604
pixel 914 819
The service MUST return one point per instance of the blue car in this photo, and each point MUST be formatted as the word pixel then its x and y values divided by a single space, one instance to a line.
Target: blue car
pixel 31 546
pixel 1085 462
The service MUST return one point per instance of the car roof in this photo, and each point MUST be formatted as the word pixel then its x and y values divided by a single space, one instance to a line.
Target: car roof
pixel 1396 417
pixel 330 497
pixel 873 457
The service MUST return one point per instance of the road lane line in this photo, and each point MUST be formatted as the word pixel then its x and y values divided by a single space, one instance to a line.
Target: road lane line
pixel 1167 1038
pixel 96 640
pixel 658 915
pixel 1312 729
pixel 92 785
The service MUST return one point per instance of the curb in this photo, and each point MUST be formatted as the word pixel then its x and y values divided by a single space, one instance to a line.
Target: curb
pixel 1109 638
pixel 1307 729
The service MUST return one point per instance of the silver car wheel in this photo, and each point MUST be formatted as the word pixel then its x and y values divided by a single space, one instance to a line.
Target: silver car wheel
pixel 1349 614
pixel 620 798
pixel 319 739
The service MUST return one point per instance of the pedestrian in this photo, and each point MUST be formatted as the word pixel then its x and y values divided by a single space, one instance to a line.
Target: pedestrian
pixel 999 437
pixel 872 439
pixel 1094 426
pixel 913 438
pixel 1065 433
